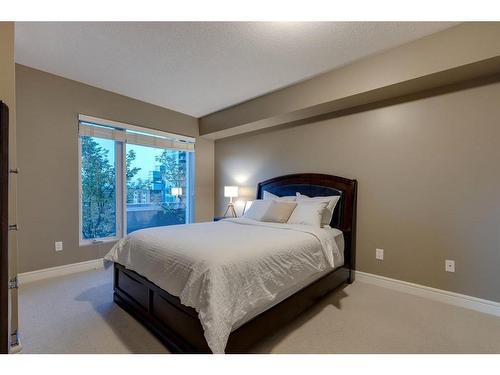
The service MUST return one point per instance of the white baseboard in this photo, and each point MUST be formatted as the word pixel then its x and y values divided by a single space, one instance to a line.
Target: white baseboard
pixel 46 273
pixel 457 299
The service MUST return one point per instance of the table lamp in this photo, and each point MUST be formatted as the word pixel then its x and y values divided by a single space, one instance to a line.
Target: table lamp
pixel 176 191
pixel 230 192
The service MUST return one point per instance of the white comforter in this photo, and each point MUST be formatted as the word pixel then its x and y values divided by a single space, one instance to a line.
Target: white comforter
pixel 227 268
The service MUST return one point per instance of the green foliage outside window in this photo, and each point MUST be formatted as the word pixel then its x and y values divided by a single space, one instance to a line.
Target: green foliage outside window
pixel 98 191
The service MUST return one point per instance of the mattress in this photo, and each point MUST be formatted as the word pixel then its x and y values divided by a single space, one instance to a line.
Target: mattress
pixel 232 270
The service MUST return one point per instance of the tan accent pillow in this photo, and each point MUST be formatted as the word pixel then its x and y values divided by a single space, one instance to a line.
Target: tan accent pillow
pixel 279 211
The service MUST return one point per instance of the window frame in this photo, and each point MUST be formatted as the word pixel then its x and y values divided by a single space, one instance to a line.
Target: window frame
pixel 121 186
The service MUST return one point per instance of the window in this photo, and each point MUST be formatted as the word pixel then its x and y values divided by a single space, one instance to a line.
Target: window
pixel 132 179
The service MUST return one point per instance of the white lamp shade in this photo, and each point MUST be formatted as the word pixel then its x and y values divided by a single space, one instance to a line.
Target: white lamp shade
pixel 231 191
pixel 176 191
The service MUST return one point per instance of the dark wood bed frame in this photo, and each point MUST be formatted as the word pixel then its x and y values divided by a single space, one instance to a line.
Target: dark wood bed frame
pixel 178 326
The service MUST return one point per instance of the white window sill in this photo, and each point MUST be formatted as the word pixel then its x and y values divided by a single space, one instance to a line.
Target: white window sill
pixel 97 242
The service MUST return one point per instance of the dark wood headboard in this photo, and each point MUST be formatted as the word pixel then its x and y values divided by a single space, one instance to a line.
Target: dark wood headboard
pixel 314 185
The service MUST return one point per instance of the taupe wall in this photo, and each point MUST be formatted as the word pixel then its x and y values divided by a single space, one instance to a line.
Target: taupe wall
pixel 204 180
pixel 429 177
pixel 47 109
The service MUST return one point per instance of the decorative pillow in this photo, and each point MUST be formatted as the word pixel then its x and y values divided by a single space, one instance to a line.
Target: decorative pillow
pixel 308 213
pixel 257 209
pixel 331 203
pixel 270 196
pixel 279 211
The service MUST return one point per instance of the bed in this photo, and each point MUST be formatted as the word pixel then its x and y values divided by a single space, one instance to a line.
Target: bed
pixel 223 286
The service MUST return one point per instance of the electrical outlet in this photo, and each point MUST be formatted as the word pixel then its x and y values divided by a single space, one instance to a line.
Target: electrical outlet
pixel 59 246
pixel 449 265
pixel 379 254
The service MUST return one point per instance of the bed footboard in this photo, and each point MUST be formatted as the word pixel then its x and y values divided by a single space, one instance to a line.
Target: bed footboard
pixel 176 325
pixel 179 328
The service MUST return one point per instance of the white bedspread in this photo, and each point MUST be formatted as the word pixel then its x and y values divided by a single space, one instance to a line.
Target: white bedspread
pixel 226 269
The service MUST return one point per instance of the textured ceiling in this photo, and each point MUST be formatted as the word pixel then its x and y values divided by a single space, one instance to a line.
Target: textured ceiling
pixel 200 68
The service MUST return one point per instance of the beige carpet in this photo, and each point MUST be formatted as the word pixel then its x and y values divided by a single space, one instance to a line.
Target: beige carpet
pixel 76 314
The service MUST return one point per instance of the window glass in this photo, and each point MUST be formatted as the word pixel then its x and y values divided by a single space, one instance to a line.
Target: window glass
pixel 156 187
pixel 98 188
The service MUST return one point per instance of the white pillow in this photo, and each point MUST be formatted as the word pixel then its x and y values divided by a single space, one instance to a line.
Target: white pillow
pixel 279 211
pixel 270 196
pixel 331 203
pixel 257 210
pixel 308 213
